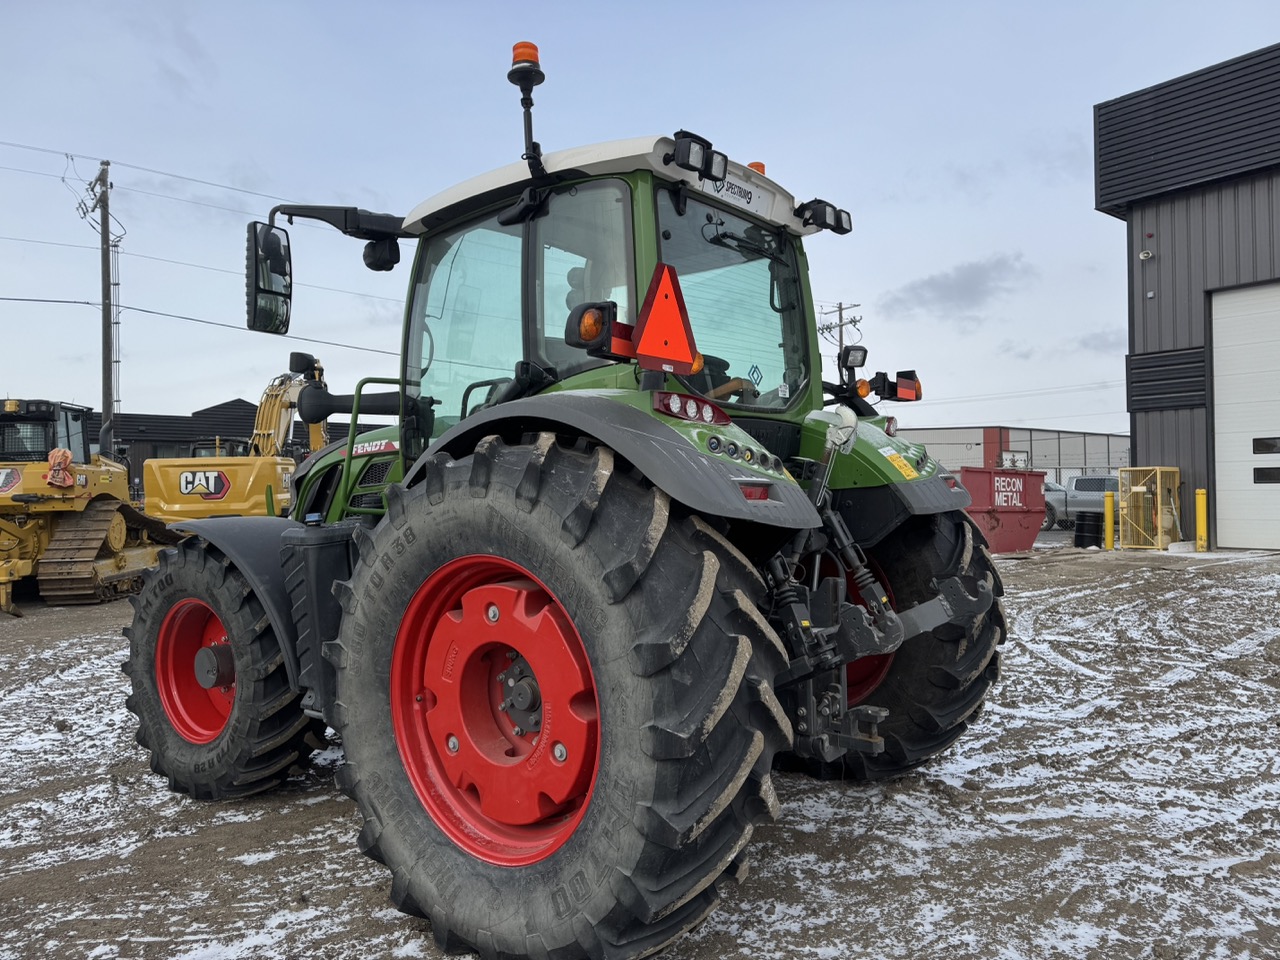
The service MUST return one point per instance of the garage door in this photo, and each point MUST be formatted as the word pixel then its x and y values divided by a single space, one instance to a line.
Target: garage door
pixel 1246 416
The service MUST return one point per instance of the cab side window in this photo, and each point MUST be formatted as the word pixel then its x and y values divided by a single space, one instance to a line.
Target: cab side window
pixel 468 323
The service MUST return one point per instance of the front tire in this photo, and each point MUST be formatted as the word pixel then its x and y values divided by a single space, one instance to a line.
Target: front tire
pixel 603 823
pixel 243 732
pixel 1050 517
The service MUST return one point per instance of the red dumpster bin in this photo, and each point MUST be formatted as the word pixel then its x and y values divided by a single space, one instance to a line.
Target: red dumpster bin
pixel 1008 505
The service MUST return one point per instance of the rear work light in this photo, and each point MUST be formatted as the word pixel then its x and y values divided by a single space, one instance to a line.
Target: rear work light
pixel 685 407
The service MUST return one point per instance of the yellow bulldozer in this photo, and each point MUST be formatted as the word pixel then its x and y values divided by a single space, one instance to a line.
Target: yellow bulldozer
pixel 65 515
pixel 219 480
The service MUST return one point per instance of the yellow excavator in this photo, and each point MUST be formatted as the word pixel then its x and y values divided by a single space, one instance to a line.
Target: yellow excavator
pixel 233 485
pixel 65 515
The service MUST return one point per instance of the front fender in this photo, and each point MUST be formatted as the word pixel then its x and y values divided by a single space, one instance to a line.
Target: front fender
pixel 672 460
pixel 253 545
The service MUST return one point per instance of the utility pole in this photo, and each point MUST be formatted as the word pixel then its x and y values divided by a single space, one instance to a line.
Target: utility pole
pixel 840 324
pixel 102 205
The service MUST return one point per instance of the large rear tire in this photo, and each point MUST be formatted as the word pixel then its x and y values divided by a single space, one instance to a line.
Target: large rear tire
pixel 554 695
pixel 241 734
pixel 935 683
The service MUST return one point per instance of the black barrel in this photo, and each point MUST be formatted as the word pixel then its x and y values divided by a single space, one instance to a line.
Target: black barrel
pixel 1088 530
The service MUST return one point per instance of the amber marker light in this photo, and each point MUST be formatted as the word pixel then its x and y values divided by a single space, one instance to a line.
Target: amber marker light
pixel 698 363
pixel 757 166
pixel 863 388
pixel 591 325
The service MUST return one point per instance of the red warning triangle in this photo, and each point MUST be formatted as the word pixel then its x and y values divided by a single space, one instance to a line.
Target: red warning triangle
pixel 663 337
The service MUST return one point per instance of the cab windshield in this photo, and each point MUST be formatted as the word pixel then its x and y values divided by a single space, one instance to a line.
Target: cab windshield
pixel 742 292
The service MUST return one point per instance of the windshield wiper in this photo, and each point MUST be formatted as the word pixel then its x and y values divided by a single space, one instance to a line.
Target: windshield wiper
pixel 747 246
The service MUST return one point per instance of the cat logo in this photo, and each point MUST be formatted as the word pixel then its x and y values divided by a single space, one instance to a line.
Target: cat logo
pixel 206 484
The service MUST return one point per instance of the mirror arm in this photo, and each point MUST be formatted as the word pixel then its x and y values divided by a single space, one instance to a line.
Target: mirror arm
pixel 352 221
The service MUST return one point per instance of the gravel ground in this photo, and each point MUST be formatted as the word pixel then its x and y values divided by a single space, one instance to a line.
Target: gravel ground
pixel 1119 797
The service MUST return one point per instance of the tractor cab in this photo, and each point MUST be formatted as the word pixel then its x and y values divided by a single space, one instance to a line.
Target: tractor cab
pixel 30 429
pixel 655 255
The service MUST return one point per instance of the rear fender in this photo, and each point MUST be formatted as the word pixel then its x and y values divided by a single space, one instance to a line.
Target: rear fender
pixel 676 461
pixel 253 545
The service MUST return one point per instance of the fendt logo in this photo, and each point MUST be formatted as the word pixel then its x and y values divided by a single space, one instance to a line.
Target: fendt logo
pixel 206 484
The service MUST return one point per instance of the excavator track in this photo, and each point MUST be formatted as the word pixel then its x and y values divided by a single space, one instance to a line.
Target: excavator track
pixel 81 566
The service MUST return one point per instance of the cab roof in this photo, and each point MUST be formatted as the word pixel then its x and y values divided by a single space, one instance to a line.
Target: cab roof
pixel 744 188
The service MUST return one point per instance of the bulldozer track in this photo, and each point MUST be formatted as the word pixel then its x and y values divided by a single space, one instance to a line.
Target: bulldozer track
pixel 68 571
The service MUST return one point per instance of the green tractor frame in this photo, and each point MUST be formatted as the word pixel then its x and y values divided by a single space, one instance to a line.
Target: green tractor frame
pixel 622 555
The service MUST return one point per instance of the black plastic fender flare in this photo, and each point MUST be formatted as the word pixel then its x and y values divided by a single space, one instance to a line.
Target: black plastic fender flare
pixel 253 545
pixel 706 484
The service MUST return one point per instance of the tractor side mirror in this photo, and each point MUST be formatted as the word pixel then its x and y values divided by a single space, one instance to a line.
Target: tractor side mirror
pixel 268 278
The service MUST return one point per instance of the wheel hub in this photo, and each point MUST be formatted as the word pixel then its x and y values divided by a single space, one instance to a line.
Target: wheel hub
pixel 522 700
pixel 215 666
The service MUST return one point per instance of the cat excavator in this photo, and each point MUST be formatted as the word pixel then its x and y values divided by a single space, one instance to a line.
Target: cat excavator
pixel 256 484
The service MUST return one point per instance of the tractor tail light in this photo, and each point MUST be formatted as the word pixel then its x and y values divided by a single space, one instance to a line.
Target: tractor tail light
pixel 685 407
pixel 755 491
pixel 891 426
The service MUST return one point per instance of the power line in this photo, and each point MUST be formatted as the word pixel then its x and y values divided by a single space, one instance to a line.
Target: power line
pixel 34 173
pixel 1015 394
pixel 287 336
pixel 196 266
pixel 87 303
pixel 151 170
pixel 209 323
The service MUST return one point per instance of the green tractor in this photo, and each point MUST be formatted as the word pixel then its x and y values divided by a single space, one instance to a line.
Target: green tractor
pixel 623 555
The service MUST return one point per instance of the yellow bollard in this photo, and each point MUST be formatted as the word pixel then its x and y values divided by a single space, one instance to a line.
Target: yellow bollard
pixel 1109 520
pixel 1202 520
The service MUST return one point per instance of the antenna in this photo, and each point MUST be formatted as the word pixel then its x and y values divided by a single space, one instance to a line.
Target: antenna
pixel 526 73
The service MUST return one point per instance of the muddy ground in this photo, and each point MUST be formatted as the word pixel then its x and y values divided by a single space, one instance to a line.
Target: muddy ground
pixel 1119 797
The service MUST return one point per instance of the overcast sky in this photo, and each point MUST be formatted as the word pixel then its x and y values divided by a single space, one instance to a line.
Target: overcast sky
pixel 960 135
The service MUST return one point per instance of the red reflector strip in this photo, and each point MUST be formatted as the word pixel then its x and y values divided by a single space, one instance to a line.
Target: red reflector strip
pixel 754 491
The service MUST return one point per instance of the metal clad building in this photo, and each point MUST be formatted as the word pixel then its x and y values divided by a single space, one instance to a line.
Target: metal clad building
pixel 1059 453
pixel 1193 167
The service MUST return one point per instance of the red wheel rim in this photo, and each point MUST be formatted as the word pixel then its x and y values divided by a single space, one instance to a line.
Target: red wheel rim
pixel 507 797
pixel 197 714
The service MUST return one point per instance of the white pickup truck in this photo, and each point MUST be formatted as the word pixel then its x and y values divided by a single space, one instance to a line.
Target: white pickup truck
pixel 1079 495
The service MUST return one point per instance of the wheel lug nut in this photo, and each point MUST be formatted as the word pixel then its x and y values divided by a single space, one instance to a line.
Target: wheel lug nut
pixel 518 731
pixel 503 706
pixel 502 677
pixel 492 613
pixel 559 752
pixel 452 743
